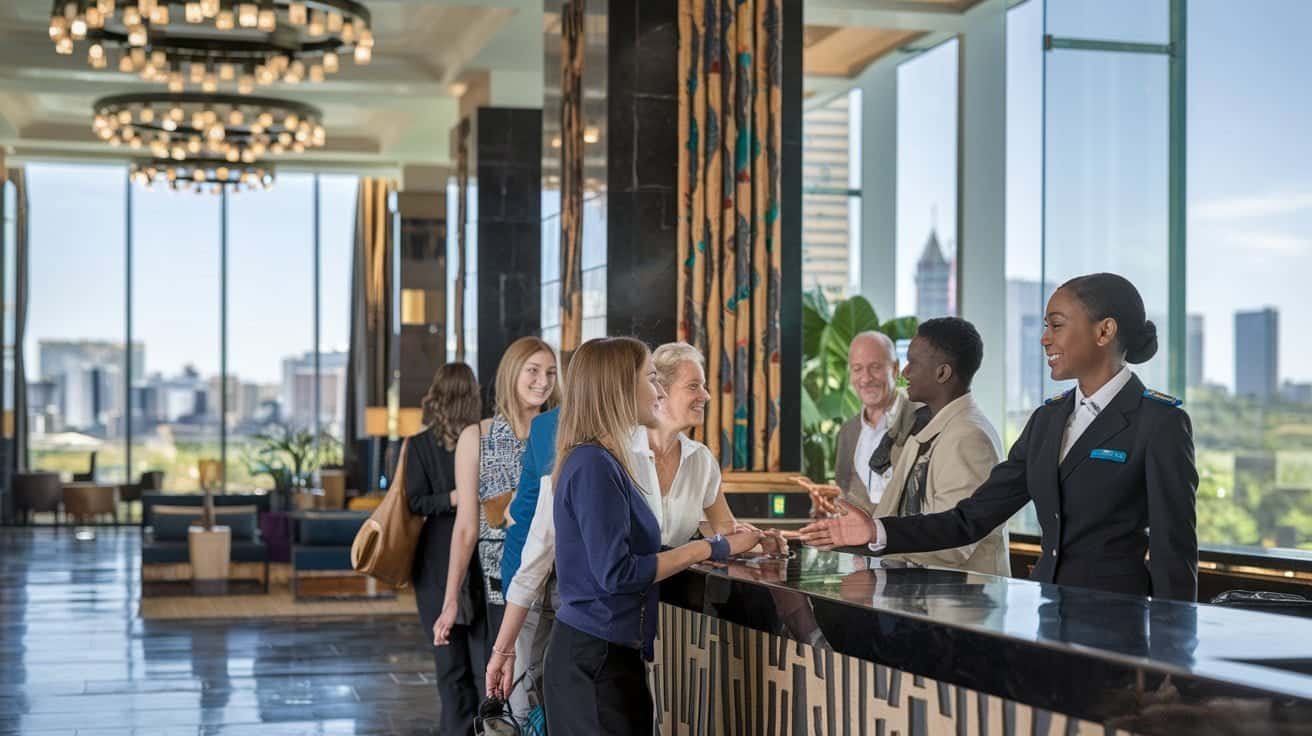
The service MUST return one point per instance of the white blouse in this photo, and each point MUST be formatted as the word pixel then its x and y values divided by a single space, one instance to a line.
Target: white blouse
pixel 696 486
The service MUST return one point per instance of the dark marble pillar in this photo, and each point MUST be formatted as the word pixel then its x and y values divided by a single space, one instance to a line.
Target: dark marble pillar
pixel 642 167
pixel 507 163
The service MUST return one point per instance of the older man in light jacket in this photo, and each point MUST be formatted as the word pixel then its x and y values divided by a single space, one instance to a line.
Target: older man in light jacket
pixel 870 443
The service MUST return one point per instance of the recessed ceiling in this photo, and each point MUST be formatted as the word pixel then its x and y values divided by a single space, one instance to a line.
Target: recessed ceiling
pixel 395 111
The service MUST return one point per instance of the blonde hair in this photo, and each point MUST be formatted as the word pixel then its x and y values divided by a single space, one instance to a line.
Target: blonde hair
pixel 508 370
pixel 599 406
pixel 668 357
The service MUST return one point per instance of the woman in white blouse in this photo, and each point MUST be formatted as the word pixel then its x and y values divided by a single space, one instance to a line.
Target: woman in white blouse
pixel 679 477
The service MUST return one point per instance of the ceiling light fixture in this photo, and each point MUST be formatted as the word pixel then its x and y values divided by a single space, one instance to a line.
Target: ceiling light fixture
pixel 263 42
pixel 232 128
pixel 201 175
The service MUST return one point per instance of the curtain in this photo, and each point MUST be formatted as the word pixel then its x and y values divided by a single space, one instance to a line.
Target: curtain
pixel 730 100
pixel 369 369
pixel 572 45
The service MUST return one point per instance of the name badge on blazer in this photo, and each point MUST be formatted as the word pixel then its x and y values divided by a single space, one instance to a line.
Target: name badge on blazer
pixel 1116 456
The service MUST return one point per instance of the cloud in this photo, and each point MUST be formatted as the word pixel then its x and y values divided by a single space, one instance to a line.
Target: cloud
pixel 1272 243
pixel 1261 205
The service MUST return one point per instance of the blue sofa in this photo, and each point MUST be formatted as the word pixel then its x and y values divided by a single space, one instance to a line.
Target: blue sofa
pixel 321 542
pixel 164 532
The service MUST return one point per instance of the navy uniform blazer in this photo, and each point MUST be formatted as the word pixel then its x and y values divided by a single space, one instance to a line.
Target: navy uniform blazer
pixel 1124 492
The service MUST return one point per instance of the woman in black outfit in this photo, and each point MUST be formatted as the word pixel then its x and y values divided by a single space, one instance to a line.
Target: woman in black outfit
pixel 452 403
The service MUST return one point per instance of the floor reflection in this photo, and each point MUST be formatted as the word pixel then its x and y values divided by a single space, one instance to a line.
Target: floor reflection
pixel 75 658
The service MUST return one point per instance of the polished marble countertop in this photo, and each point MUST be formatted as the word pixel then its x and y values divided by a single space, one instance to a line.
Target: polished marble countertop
pixel 1056 647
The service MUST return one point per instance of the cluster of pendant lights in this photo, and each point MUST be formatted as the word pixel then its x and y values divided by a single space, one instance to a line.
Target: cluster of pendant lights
pixel 208 44
pixel 198 137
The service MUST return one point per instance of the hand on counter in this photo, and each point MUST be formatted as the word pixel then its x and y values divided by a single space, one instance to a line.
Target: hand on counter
pixel 852 527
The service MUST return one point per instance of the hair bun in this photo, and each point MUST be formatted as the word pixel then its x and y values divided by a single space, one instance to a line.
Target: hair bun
pixel 1144 345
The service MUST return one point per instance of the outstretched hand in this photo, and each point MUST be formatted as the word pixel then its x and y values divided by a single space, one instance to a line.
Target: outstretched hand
pixel 852 527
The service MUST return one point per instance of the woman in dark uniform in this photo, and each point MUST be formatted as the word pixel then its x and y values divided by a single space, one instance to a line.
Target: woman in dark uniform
pixel 1108 464
pixel 452 403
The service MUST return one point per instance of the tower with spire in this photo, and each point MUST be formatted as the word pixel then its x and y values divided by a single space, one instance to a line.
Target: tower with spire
pixel 933 276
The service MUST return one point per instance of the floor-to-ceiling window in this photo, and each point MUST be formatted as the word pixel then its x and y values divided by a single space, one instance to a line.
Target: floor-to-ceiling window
pixel 927 131
pixel 337 193
pixel 176 319
pixel 74 354
pixel 271 360
pixel 111 266
pixel 831 196
pixel 1248 357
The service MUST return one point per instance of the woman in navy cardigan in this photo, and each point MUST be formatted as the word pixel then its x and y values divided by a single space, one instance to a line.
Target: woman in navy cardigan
pixel 608 547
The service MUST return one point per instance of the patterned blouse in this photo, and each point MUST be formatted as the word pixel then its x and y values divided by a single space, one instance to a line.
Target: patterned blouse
pixel 499 454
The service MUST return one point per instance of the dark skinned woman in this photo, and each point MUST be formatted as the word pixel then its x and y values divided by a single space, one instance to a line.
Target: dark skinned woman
pixel 1108 464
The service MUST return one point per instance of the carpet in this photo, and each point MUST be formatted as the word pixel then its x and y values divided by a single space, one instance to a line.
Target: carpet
pixel 278 603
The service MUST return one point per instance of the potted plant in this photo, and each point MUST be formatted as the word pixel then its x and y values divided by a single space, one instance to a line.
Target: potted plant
pixel 209 545
pixel 289 457
pixel 827 396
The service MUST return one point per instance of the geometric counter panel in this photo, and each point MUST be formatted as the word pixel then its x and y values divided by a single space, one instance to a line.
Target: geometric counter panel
pixel 718 678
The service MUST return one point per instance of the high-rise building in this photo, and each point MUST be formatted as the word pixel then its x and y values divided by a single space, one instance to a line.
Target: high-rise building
pixel 1257 353
pixel 933 281
pixel 1024 359
pixel 827 176
pixel 298 391
pixel 89 394
pixel 1194 351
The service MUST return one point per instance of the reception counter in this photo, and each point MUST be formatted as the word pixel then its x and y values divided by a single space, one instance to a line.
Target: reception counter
pixel 834 643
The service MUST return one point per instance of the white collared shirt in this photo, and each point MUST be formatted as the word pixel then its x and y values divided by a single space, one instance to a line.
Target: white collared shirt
pixel 696 486
pixel 866 443
pixel 1087 409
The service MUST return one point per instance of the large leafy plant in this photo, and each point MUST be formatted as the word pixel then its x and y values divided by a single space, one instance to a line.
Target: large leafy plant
pixel 827 396
pixel 289 456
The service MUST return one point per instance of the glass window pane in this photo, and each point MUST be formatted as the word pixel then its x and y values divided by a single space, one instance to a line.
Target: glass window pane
pixel 1248 355
pixel 831 143
pixel 74 357
pixel 927 183
pixel 1140 21
pixel 271 366
pixel 337 194
pixel 1106 181
pixel 175 307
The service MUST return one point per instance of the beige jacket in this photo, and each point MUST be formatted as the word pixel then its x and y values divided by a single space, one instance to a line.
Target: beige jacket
pixel 847 476
pixel 964 449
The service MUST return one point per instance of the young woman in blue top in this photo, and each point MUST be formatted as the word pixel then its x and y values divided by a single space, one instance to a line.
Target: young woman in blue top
pixel 608 547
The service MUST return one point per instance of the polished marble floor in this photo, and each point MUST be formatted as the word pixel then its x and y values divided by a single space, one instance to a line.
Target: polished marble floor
pixel 75 657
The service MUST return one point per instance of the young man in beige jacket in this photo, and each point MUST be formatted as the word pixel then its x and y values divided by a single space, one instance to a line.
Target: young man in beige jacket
pixel 952 455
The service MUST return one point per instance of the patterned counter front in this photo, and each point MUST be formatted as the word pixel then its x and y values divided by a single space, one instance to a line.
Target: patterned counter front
pixel 831 644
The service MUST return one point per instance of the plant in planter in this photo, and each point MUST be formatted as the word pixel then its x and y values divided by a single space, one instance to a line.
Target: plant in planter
pixel 289 457
pixel 827 397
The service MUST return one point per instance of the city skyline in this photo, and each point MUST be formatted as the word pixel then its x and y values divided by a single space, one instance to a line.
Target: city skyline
pixel 78 386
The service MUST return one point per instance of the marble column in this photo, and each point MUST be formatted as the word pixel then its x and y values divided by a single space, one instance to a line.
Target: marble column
pixel 642 169
pixel 506 161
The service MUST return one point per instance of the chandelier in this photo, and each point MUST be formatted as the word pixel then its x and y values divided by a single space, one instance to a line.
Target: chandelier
pixel 209 43
pixel 229 128
pixel 201 174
